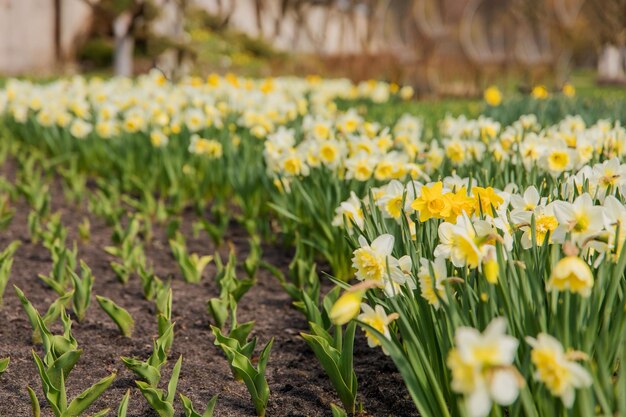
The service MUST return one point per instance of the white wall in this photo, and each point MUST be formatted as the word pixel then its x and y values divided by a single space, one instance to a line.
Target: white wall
pixel 27 33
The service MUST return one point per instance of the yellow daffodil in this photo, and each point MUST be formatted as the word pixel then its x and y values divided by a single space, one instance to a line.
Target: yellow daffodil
pixel 568 90
pixel 571 274
pixel 493 96
pixel 431 203
pixel 540 92
pixel 486 200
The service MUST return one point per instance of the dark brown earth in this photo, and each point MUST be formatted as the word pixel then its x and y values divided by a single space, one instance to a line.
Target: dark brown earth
pixel 298 384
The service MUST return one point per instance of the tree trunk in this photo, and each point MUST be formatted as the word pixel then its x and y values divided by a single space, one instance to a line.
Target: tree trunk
pixel 58 53
pixel 611 64
pixel 124 45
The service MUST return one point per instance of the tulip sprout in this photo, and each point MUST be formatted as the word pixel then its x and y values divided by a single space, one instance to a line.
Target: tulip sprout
pixel 120 316
pixel 6 262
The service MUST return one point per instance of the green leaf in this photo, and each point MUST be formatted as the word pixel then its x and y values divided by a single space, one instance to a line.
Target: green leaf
pixel 254 379
pixel 264 357
pixel 338 411
pixel 121 271
pixel 4 363
pixel 154 396
pixel 143 370
pixel 347 353
pixel 31 312
pixel 5 272
pixel 119 315
pixel 191 412
pixel 34 402
pixel 54 284
pixel 188 407
pixel 171 386
pixel 56 395
pixel 210 407
pixel 123 408
pixel 82 290
pixel 87 397
pixel 164 341
pixel 218 309
pixel 57 307
pixel 9 251
pixel 330 359
pixel 63 365
pixel 241 332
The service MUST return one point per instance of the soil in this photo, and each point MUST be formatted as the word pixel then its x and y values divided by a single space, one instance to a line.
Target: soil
pixel 298 384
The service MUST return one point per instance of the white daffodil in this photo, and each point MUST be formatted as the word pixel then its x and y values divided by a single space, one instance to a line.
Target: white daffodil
pixel 581 218
pixel 432 275
pixel 528 202
pixel 546 224
pixel 377 319
pixel 349 211
pixel 482 367
pixel 558 369
pixel 400 275
pixel 393 203
pixel 609 176
pixel 371 261
pixel 614 220
pixel 457 242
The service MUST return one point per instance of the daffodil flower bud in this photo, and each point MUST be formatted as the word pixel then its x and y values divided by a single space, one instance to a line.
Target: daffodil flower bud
pixel 347 307
pixel 491 270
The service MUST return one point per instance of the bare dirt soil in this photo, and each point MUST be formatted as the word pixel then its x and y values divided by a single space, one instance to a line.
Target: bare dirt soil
pixel 297 382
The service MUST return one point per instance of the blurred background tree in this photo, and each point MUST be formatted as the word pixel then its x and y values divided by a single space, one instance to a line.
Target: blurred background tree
pixel 441 47
pixel 608 19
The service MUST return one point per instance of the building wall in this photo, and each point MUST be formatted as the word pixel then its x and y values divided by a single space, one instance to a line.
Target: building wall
pixel 27 33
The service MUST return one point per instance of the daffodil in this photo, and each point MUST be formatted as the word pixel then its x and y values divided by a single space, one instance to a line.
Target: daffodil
pixel 460 203
pixel 395 200
pixel 80 129
pixel 571 274
pixel 432 275
pixel 527 202
pixel 457 242
pixel 456 151
pixel 371 261
pixel 609 175
pixel 346 307
pixel 158 139
pixel 546 224
pixel 431 203
pixel 568 90
pixel 349 211
pixel 540 92
pixel 493 96
pixel 490 267
pixel 615 223
pixel 581 218
pixel 558 369
pixel 558 160
pixel 486 199
pixel 482 367
pixel 208 147
pixel 378 319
